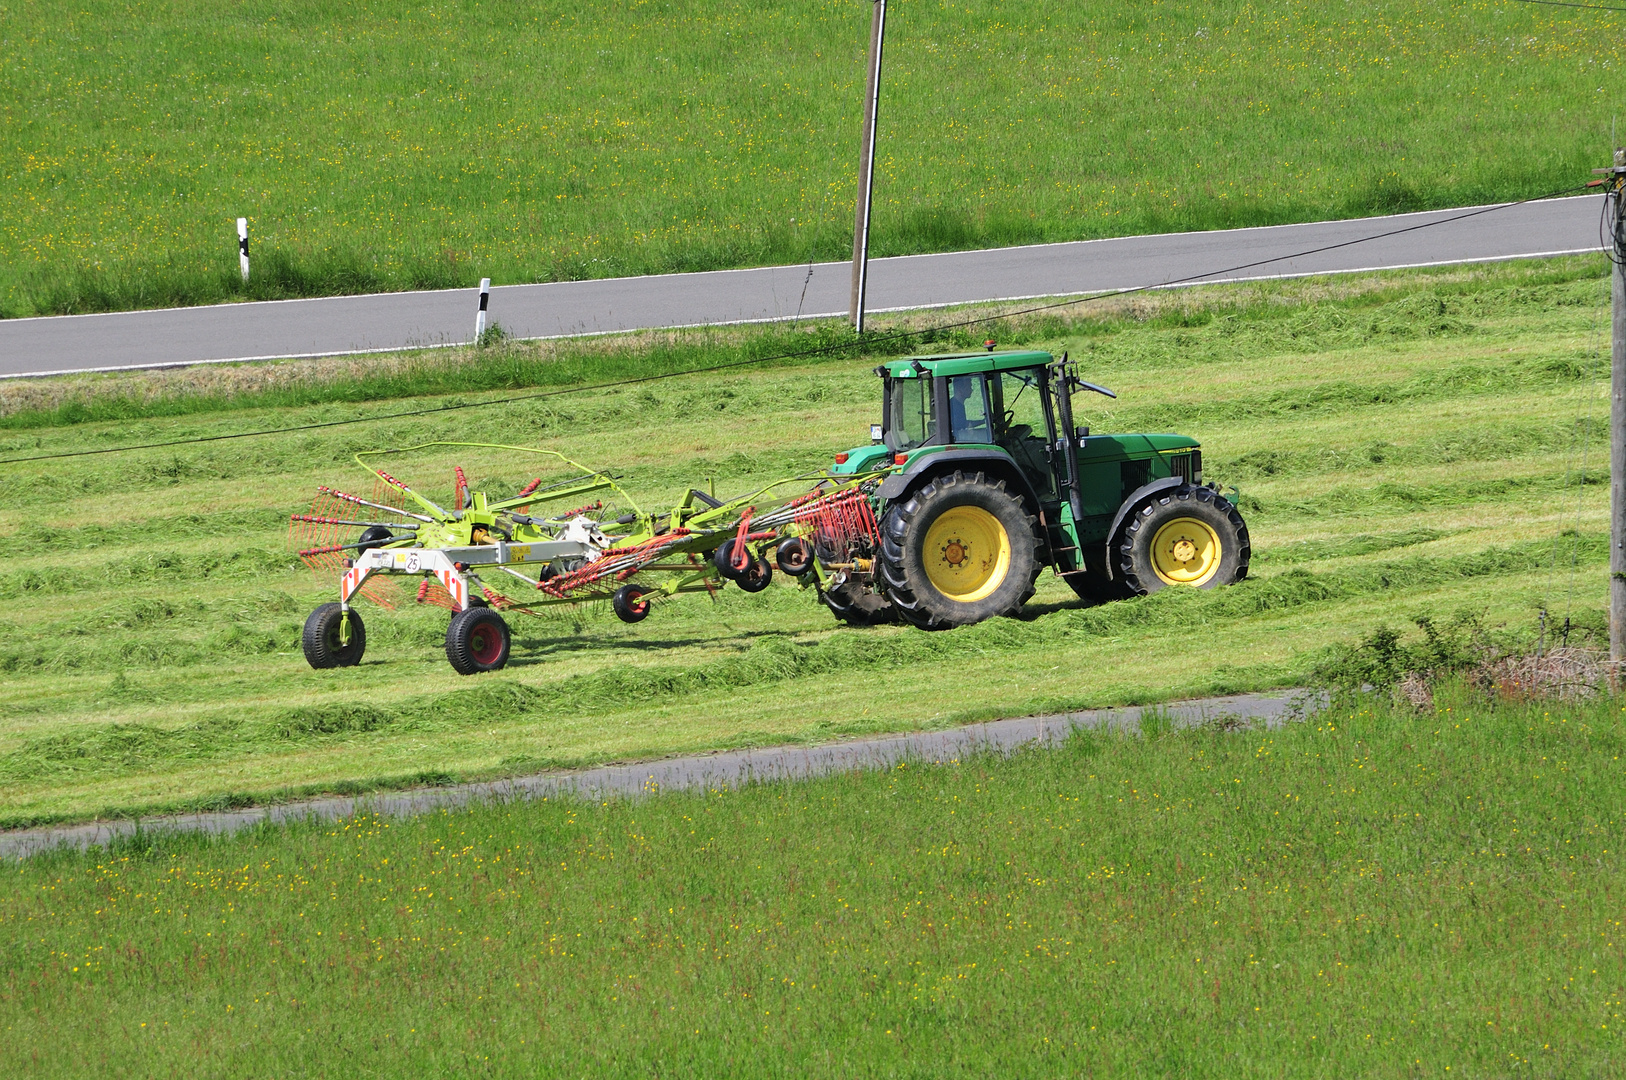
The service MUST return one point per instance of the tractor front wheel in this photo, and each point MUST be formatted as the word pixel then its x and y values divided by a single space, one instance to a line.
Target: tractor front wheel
pixel 476 641
pixel 959 550
pixel 329 642
pixel 1189 536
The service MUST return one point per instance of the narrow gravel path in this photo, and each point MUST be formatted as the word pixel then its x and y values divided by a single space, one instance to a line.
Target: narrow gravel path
pixel 720 770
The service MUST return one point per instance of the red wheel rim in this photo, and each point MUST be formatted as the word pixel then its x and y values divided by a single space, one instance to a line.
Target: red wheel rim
pixel 485 644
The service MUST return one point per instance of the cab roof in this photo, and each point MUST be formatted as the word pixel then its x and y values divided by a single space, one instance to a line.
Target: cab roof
pixel 966 363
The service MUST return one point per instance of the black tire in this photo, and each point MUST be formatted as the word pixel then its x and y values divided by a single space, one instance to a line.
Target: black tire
pixel 1003 583
pixel 1096 588
pixel 1091 583
pixel 723 560
pixel 1149 548
pixel 857 605
pixel 320 639
pixel 629 604
pixel 794 556
pixel 374 536
pixel 476 641
pixel 758 575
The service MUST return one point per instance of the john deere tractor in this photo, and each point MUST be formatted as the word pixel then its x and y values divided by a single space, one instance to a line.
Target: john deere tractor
pixel 993 481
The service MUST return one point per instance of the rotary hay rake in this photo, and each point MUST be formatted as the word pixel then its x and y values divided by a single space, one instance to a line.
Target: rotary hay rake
pixel 555 542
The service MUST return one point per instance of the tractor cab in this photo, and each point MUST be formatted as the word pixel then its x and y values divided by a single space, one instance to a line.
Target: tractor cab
pixel 992 401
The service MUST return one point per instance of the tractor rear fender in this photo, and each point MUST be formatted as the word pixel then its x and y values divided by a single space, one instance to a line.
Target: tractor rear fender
pixel 995 463
pixel 1136 497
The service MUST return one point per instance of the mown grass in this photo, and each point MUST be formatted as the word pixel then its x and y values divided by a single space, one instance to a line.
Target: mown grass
pixel 418 145
pixel 1401 443
pixel 1368 892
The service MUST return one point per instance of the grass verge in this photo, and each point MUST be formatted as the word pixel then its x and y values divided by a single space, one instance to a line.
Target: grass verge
pixel 1373 891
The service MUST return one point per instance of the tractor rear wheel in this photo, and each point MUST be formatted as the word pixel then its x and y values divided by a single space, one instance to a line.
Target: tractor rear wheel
pixel 1188 535
pixel 327 644
pixel 959 550
pixel 477 640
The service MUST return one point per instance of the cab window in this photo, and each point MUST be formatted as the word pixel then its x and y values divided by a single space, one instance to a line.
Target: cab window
pixel 1023 402
pixel 913 419
pixel 968 409
pixel 1023 428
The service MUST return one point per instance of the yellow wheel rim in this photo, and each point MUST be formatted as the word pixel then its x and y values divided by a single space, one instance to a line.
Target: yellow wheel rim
pixel 967 553
pixel 1186 551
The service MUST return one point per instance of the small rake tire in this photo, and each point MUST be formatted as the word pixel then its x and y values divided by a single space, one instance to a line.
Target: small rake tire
pixel 758 575
pixel 629 604
pixel 476 641
pixel 1188 535
pixel 986 537
pixel 794 556
pixel 374 536
pixel 321 643
pixel 723 560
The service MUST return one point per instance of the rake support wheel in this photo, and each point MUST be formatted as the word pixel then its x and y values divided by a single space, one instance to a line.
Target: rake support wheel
pixel 476 641
pixel 794 556
pixel 1189 536
pixel 959 550
pixel 330 644
pixel 375 536
pixel 629 604
pixel 757 576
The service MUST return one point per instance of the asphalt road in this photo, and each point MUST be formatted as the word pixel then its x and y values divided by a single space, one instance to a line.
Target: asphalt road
pixel 351 324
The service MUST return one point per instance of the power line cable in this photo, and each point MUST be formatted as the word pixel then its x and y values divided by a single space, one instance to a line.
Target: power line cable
pixel 1563 3
pixel 871 340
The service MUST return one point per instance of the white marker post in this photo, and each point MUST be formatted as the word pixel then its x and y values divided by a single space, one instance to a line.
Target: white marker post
pixel 242 245
pixel 480 316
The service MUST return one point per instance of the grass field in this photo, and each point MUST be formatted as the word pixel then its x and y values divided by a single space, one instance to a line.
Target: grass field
pixel 422 143
pixel 1404 443
pixel 1363 894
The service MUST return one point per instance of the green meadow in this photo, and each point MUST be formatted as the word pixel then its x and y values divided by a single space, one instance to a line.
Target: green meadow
pixel 1365 893
pixel 1418 443
pixel 427 143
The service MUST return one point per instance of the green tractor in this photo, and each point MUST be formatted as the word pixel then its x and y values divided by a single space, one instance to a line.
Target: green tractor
pixel 992 481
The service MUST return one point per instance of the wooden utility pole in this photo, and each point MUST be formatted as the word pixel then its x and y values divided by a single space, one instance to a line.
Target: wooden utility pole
pixel 1617 416
pixel 866 166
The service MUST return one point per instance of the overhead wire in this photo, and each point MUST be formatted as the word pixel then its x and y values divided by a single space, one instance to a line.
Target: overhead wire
pixel 864 340
pixel 1564 3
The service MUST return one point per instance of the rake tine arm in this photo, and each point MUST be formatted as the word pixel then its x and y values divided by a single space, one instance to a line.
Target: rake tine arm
pixel 359 501
pixel 427 504
pixel 554 491
pixel 341 521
